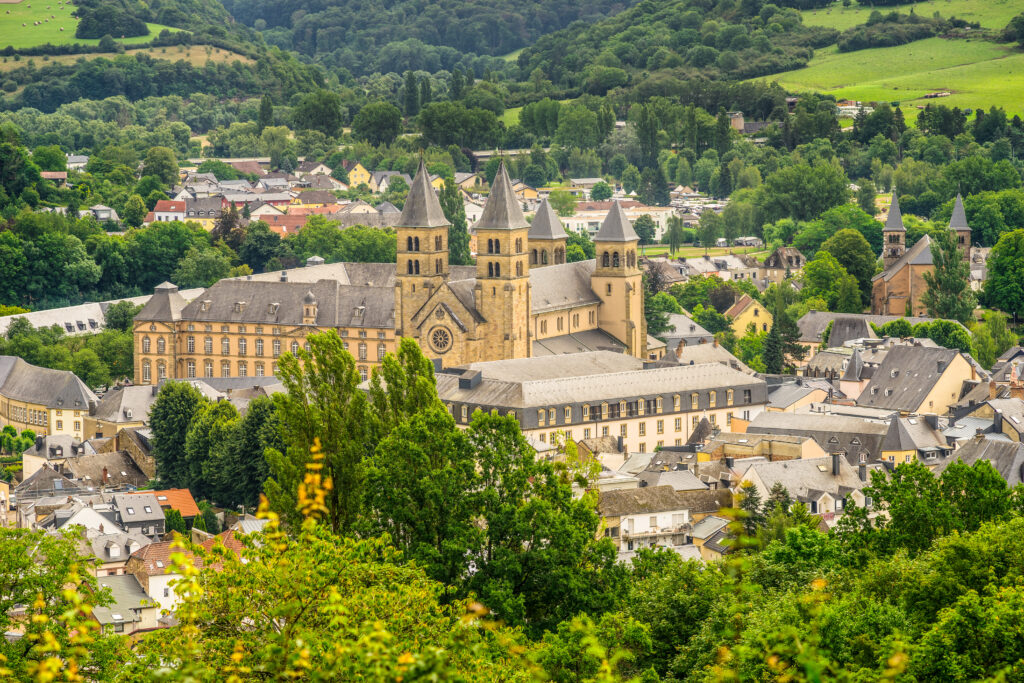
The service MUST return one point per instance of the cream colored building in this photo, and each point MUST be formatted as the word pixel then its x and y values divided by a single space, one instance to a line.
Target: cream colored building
pixel 49 402
pixel 589 215
pixel 498 309
pixel 602 393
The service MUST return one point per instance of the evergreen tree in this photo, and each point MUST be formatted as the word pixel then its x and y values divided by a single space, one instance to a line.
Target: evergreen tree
pixel 778 498
pixel 169 420
pixel 771 353
pixel 457 86
pixel 949 292
pixel 750 503
pixel 411 95
pixel 425 91
pixel 458 231
pixel 266 116
pixel 723 132
pixel 173 521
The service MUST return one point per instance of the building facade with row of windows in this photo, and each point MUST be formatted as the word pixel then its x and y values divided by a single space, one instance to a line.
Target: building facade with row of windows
pixel 49 402
pixel 501 308
pixel 603 393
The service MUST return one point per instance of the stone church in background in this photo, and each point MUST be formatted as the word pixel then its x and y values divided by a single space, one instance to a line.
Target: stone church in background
pixel 898 289
pixel 521 299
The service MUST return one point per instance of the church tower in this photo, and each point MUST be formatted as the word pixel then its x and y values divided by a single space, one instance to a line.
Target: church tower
pixel 502 290
pixel 618 281
pixel 422 251
pixel 547 238
pixel 894 234
pixel 958 224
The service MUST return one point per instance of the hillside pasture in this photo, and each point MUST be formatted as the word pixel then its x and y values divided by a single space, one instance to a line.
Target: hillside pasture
pixel 196 55
pixel 976 73
pixel 991 14
pixel 52 16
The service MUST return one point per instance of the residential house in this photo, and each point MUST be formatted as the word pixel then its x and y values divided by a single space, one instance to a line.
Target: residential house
pixel 50 451
pixel 682 328
pixel 140 512
pixel 710 536
pixel 49 402
pixel 914 439
pixel 167 210
pixel 859 437
pixel 76 162
pixel 152 567
pixel 120 407
pixel 655 516
pixel 285 225
pixel 357 174
pixel 1007 415
pixel 814 324
pixel 59 178
pixel 248 167
pixel 131 611
pixel 103 213
pixel 46 482
pixel 747 311
pixel 588 216
pixel 918 379
pixel 525 193
pixel 1006 457
pixel 380 181
pixel 322 182
pixel 789 397
pixel 782 263
pixel 204 211
pixel 603 393
pixel 176 499
pixel 312 167
pixel 469 182
pixel 730 447
pixel 111 548
pixel 825 485
pixel 315 198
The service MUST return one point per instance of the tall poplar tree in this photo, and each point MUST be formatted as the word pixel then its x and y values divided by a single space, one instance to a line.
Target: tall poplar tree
pixel 949 292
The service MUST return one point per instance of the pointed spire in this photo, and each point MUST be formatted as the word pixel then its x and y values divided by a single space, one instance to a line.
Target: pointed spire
pixel 546 225
pixel 616 227
pixel 502 210
pixel 422 208
pixel 958 221
pixel 894 222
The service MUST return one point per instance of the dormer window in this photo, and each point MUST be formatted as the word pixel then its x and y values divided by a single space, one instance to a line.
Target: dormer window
pixel 131 511
pixel 204 305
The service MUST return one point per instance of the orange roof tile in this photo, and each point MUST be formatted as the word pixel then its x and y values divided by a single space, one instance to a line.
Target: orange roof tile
pixel 176 499
pixel 739 306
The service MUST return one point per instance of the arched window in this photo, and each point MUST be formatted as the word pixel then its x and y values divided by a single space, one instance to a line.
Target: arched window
pixel 490 270
pixel 604 259
pixel 161 345
pixel 497 246
pixel 408 267
pixel 362 350
pixel 295 347
pixel 519 268
pixel 533 257
pixel 416 244
pixel 615 260
pixel 560 255
pixel 497 270
pixel 146 371
pixel 438 243
pixel 225 368
pixel 208 368
pixel 161 370
pixel 438 265
pixel 381 351
pixel 145 344
pixel 544 257
pixel 490 246
pixel 190 344
pixel 416 267
pixel 408 243
pixel 225 346
pixel 519 245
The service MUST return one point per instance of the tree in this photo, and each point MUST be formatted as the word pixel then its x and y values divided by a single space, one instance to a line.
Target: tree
pixel 848 296
pixel 822 277
pixel 89 368
pixel 411 95
pixel 319 110
pixel 771 353
pixel 210 430
pixel 322 404
pixel 161 162
pixel 991 338
pixel 266 115
pixel 803 191
pixel 174 521
pixel 750 504
pixel 601 191
pixel 653 188
pixel 169 419
pixel 645 228
pixel 259 246
pixel 709 228
pixel 854 253
pixel 630 179
pixel 562 202
pixel 778 498
pixel 201 268
pixel 866 197
pixel 674 234
pixel 229 229
pixel 379 123
pixel 134 211
pixel 1004 288
pixel 49 158
pixel 458 230
pixel 657 308
pixel 949 293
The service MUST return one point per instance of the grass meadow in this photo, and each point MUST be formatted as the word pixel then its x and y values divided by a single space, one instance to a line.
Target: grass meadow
pixel 993 14
pixel 52 17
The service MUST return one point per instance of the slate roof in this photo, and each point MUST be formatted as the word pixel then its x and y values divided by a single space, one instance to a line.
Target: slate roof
pixel 708 526
pixel 21 381
pixel 127 594
pixel 317 197
pixel 387 207
pixel 789 393
pixel 918 255
pixel 653 499
pixel 905 378
pixel 120 468
pixel 422 208
pixel 577 342
pixel 958 219
pixel 616 227
pixel 546 225
pixel 1011 410
pixel 680 480
pixel 565 285
pixel 98 544
pixel 138 502
pixel 813 323
pixel 125 404
pixel 832 432
pixel 894 221
pixel 166 304
pixel 46 482
pixel 176 499
pixel 848 328
pixel 806 480
pixel 1007 457
pixel 502 210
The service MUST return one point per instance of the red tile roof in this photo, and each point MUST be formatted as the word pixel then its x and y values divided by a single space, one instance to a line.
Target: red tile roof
pixel 606 205
pixel 169 205
pixel 54 175
pixel 739 306
pixel 176 499
pixel 285 225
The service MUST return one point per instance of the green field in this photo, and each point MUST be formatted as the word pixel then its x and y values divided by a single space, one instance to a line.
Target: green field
pixel 512 56
pixel 989 13
pixel 53 17
pixel 978 73
pixel 511 116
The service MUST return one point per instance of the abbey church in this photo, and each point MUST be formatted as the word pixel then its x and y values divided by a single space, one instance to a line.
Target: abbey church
pixel 521 299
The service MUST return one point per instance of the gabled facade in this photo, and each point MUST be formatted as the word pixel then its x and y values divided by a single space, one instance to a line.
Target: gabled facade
pixel 746 312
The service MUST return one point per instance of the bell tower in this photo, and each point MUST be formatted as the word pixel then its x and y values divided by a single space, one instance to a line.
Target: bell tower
pixel 547 238
pixel 618 281
pixel 894 234
pixel 422 263
pixel 502 290
pixel 958 224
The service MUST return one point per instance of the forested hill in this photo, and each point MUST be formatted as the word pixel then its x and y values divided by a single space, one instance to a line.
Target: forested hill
pixel 367 36
pixel 688 38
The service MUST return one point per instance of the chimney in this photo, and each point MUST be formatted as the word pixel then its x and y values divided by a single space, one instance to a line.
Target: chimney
pixel 714 340
pixel 992 389
pixel 39 442
pixel 679 348
pixel 92 407
pixel 284 276
pixel 932 421
pixel 730 461
pixel 835 464
pixel 862 471
pixel 619 443
pixel 106 476
pixel 979 433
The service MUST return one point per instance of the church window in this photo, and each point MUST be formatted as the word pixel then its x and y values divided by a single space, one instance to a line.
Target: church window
pixel 497 270
pixel 438 243
pixel 497 246
pixel 408 268
pixel 490 246
pixel 416 267
pixel 519 245
pixel 490 270
pixel 615 260
pixel 533 257
pixel 408 243
pixel 604 259
pixel 544 257
pixel 438 266
pixel 559 255
pixel 519 268
pixel 416 244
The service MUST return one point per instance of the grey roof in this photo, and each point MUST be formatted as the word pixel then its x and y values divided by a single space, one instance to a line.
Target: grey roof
pixel 21 381
pixel 967 428
pixel 577 365
pixel 958 219
pixel 707 527
pixel 897 438
pixel 132 508
pixel 578 342
pixel 616 226
pixel 905 378
pixel 121 470
pixel 388 207
pixel 918 255
pixel 832 432
pixel 813 323
pixel 680 480
pixel 565 285
pixel 894 221
pixel 695 354
pixel 1007 457
pixel 789 393
pixel 128 596
pixel 502 210
pixel 126 404
pixel 422 208
pixel 848 328
pixel 280 303
pixel 546 225
pixel 806 480
pixel 43 446
pixel 855 368
pixel 650 499
pixel 99 544
pixel 46 482
pixel 682 326
pixel 1010 409
pixel 166 304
